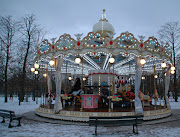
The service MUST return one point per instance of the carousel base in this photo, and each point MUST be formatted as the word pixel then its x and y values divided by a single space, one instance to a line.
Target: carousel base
pixel 83 116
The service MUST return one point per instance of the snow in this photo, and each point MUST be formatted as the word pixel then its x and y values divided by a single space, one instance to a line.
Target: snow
pixel 31 128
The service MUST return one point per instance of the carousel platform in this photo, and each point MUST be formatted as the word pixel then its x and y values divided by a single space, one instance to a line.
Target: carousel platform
pixel 73 113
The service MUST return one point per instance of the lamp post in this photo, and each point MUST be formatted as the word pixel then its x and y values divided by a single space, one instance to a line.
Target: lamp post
pixel 33 70
pixel 36 65
pixel 143 78
pixel 36 73
pixel 51 62
pixel 155 77
pixel 44 90
pixel 111 61
pixel 163 65
pixel 78 60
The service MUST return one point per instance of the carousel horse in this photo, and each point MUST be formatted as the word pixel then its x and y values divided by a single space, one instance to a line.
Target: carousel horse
pixel 145 99
pixel 156 94
pixel 76 91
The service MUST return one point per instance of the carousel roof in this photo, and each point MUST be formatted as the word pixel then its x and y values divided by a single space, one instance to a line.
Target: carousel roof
pixel 96 49
pixel 103 26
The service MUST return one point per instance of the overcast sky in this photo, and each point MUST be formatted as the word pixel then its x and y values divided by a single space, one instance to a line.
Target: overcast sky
pixel 140 17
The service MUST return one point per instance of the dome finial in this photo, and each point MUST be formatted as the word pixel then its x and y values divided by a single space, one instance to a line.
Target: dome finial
pixel 103 16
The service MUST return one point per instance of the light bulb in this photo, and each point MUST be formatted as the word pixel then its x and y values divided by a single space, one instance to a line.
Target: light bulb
pixel 77 60
pixel 142 61
pixel 32 69
pixel 172 68
pixel 51 62
pixel 111 60
pixel 70 78
pixel 155 76
pixel 36 72
pixel 143 78
pixel 163 65
pixel 36 65
pixel 172 72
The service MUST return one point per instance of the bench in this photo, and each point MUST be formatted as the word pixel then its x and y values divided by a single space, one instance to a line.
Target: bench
pixel 11 115
pixel 116 121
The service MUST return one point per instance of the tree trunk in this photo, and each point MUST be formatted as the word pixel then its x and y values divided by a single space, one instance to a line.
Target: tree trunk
pixel 24 72
pixel 6 67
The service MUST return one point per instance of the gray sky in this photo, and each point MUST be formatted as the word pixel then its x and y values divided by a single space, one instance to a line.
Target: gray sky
pixel 140 17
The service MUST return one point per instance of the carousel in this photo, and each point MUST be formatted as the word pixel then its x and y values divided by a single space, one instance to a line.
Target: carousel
pixel 99 75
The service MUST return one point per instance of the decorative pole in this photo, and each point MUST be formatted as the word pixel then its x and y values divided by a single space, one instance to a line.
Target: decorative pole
pixel 159 89
pixel 163 65
pixel 109 110
pixel 155 100
pixel 82 76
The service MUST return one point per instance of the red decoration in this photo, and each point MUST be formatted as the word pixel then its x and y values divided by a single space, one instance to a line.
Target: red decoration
pixel 52 46
pixel 119 81
pixel 127 47
pixel 44 52
pixel 94 53
pixel 64 47
pixel 111 42
pixel 122 82
pixel 141 45
pixel 126 53
pixel 153 50
pixel 162 49
pixel 38 51
pixel 78 43
pixel 94 46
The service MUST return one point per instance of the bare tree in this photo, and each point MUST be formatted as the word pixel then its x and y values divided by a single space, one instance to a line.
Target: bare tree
pixel 8 27
pixel 30 35
pixel 170 32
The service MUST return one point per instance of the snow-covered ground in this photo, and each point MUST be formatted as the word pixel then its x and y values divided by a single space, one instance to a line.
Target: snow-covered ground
pixel 31 128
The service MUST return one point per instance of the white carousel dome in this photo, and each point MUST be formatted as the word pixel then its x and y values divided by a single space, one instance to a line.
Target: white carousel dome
pixel 103 25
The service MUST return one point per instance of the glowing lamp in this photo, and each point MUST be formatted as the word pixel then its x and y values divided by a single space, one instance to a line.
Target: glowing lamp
pixel 172 72
pixel 32 69
pixel 36 72
pixel 163 65
pixel 36 66
pixel 51 62
pixel 111 60
pixel 143 78
pixel 78 60
pixel 142 61
pixel 84 79
pixel 70 78
pixel 155 76
pixel 45 75
pixel 172 68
